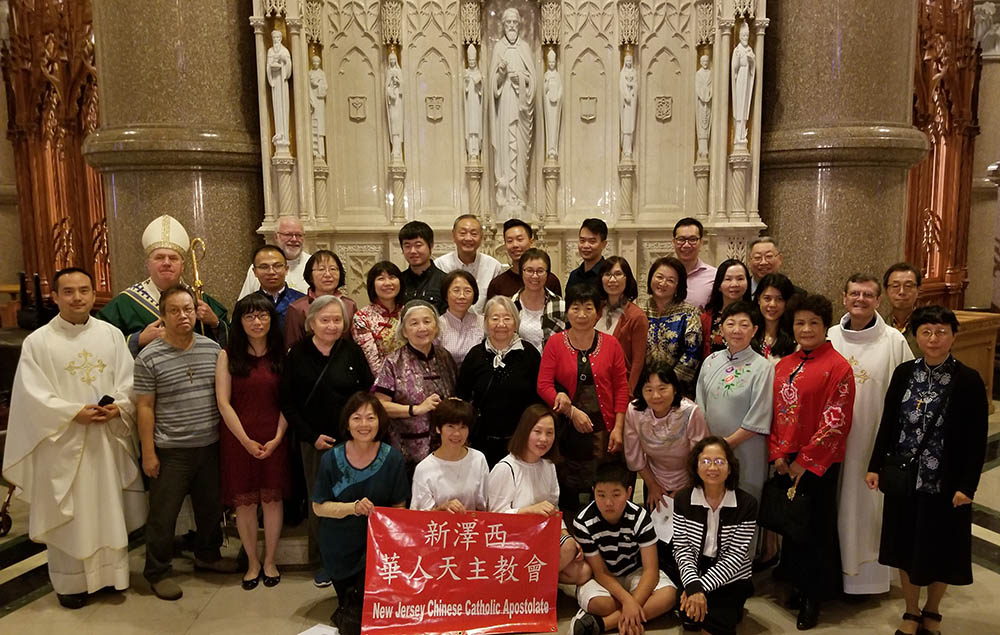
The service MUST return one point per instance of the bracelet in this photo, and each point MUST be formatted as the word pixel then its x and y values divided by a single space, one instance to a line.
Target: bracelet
pixel 410 410
pixel 356 507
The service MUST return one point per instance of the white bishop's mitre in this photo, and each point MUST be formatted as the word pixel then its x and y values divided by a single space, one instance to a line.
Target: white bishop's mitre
pixel 165 232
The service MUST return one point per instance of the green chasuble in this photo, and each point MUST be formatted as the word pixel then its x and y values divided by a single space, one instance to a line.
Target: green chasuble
pixel 134 309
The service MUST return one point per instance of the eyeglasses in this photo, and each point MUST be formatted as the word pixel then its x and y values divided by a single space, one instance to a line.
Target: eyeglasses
pixel 928 333
pixel 276 267
pixel 867 295
pixel 256 317
pixel 691 240
pixel 662 279
pixel 707 462
pixel 291 235
pixel 758 258
pixel 174 311
pixel 501 319
pixel 614 275
pixel 535 273
pixel 330 269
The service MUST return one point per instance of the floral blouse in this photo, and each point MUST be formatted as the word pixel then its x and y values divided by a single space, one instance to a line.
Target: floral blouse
pixel 922 412
pixel 374 329
pixel 675 338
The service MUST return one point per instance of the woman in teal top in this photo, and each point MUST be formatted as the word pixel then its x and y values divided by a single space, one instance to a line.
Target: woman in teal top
pixel 354 478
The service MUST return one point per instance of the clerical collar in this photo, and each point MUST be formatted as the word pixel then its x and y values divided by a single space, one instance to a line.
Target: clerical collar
pixel 847 324
pixel 66 324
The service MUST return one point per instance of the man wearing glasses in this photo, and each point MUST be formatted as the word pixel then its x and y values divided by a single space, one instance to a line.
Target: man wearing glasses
pixel 700 275
pixel 902 284
pixel 764 259
pixel 290 236
pixel 271 268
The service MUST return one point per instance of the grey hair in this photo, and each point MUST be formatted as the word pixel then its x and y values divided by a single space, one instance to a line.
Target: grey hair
pixel 764 240
pixel 502 301
pixel 414 305
pixel 321 303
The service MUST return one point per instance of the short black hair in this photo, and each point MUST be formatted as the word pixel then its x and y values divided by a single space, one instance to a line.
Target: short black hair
pixel 687 221
pixel 535 254
pixel 732 480
pixel 715 299
pixel 583 292
pixel 814 303
pixel 933 314
pixel 517 222
pixel 464 275
pixel 666 375
pixel 596 226
pixel 263 248
pixel 779 281
pixel 903 266
pixel 315 259
pixel 743 306
pixel 860 278
pixel 68 270
pixel 357 401
pixel 682 277
pixel 416 229
pixel 385 266
pixel 612 471
pixel 631 285
pixel 453 410
pixel 169 292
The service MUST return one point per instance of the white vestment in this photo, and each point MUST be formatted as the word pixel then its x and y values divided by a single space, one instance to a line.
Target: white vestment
pixel 82 481
pixel 873 353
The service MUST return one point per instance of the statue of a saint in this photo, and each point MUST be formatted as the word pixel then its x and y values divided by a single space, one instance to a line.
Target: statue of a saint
pixel 553 106
pixel 628 84
pixel 512 84
pixel 703 106
pixel 279 70
pixel 743 71
pixel 317 106
pixel 394 106
pixel 473 105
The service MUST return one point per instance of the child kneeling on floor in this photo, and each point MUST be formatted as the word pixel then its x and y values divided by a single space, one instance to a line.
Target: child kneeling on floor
pixel 619 543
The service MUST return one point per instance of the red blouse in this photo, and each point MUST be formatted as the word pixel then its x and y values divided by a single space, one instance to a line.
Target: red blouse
pixel 813 407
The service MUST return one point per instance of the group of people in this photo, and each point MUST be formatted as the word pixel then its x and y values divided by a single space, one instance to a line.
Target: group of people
pixel 462 386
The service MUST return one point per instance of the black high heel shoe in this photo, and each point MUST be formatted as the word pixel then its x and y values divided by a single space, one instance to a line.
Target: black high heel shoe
pixel 250 585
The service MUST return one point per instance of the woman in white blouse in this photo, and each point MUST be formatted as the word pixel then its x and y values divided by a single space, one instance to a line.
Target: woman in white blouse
pixel 453 477
pixel 524 482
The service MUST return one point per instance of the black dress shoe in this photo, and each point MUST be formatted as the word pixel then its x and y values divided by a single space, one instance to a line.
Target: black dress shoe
pixel 808 614
pixel 251 584
pixel 271 581
pixel 73 601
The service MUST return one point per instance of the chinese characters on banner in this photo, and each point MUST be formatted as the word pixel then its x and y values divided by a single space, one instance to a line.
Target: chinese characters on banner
pixel 437 572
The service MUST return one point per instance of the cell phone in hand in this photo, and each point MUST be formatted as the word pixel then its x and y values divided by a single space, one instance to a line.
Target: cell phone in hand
pixel 106 400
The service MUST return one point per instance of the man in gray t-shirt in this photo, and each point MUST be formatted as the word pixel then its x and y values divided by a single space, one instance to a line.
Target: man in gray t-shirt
pixel 179 430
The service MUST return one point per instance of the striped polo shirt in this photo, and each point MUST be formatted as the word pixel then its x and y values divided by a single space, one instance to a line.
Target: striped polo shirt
pixel 618 544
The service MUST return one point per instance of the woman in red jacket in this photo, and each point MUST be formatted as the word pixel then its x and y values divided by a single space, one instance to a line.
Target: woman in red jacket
pixel 583 378
pixel 813 406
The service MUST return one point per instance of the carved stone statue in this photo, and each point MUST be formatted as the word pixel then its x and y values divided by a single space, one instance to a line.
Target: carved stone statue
pixel 743 71
pixel 317 106
pixel 473 105
pixel 279 70
pixel 552 108
pixel 628 85
pixel 512 84
pixel 394 106
pixel 703 106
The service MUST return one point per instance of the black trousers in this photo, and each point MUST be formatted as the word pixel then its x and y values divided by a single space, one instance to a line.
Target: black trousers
pixel 813 565
pixel 183 471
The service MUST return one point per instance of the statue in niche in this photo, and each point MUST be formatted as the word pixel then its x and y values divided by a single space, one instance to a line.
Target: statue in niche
pixel 279 70
pixel 628 84
pixel 394 106
pixel 473 105
pixel 512 82
pixel 743 70
pixel 703 106
pixel 552 108
pixel 317 106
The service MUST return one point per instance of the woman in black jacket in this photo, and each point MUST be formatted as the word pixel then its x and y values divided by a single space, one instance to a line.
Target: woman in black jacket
pixel 935 422
pixel 713 567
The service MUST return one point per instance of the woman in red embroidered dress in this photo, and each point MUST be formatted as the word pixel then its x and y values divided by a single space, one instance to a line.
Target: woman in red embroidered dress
pixel 813 406
pixel 374 327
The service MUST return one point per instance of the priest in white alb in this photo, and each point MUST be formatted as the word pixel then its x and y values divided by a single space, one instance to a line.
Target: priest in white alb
pixel 873 349
pixel 71 451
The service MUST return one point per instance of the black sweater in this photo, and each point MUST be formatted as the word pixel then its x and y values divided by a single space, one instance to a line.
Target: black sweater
pixel 499 394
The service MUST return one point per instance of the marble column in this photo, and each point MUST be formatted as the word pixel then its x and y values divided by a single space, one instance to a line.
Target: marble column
pixel 836 153
pixel 179 131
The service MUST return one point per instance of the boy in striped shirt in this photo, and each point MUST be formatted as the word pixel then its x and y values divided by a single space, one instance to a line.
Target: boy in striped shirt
pixel 619 543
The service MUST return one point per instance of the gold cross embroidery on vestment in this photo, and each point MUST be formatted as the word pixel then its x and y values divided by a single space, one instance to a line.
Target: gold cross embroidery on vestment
pixel 89 363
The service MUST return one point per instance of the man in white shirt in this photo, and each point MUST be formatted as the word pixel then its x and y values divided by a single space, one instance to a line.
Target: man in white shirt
pixel 688 234
pixel 71 450
pixel 467 232
pixel 290 236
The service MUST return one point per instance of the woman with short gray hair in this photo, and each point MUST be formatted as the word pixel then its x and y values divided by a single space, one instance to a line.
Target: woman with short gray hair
pixel 498 377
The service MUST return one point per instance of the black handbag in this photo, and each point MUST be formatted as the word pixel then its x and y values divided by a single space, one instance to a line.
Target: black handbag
pixel 898 476
pixel 784 509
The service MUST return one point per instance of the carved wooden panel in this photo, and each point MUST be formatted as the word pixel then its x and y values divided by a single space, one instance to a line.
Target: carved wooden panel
pixel 946 86
pixel 52 102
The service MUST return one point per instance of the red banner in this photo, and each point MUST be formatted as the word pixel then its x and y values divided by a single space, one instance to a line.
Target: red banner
pixel 438 572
